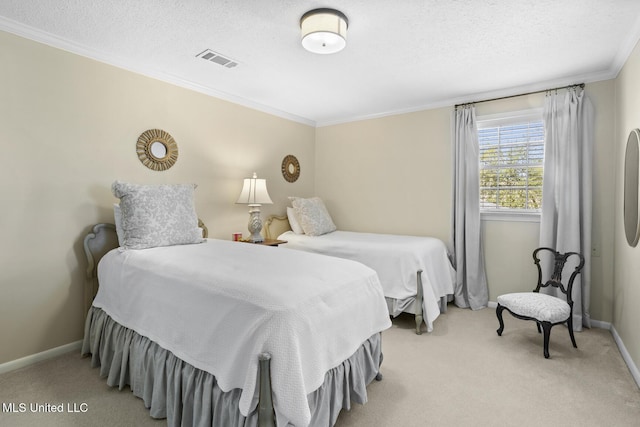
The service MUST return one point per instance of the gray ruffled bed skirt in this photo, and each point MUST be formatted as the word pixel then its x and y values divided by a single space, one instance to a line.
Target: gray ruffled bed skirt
pixel 398 306
pixel 187 396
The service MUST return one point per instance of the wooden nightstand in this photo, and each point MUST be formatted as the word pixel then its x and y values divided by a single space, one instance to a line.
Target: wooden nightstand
pixel 267 242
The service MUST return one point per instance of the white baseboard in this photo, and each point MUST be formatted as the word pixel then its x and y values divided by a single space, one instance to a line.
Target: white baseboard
pixel 635 373
pixel 633 369
pixel 39 357
pixel 601 325
pixel 48 354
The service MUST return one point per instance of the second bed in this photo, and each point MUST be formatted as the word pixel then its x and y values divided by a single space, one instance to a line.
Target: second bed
pixel 415 272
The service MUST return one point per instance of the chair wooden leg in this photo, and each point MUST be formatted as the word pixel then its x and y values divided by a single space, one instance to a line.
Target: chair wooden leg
pixel 546 326
pixel 499 310
pixel 570 327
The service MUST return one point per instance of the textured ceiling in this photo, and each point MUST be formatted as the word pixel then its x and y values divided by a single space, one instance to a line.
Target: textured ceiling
pixel 400 56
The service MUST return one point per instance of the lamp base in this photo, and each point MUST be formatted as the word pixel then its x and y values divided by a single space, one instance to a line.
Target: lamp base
pixel 255 225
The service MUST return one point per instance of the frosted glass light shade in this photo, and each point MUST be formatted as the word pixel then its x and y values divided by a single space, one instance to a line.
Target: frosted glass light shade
pixel 324 31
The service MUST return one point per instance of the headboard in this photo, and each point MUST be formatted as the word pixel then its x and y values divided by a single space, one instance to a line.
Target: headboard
pixel 275 226
pixel 100 240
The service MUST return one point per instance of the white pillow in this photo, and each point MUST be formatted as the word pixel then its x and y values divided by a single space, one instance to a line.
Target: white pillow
pixel 157 215
pixel 117 217
pixel 293 221
pixel 313 216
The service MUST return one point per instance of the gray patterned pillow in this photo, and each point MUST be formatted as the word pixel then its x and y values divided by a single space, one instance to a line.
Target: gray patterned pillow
pixel 313 216
pixel 157 215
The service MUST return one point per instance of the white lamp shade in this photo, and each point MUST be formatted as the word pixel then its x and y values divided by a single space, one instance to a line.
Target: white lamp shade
pixel 254 192
pixel 324 31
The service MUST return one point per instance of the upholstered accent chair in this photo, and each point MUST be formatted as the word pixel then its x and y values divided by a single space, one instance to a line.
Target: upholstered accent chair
pixel 546 310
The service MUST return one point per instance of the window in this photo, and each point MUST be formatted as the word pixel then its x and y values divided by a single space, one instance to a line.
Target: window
pixel 511 162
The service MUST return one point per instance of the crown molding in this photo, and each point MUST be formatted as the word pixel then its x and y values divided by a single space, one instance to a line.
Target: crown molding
pixel 626 48
pixel 52 40
pixel 478 97
pixel 49 39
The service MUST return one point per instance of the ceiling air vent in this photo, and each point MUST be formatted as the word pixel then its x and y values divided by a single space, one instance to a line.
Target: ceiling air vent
pixel 212 56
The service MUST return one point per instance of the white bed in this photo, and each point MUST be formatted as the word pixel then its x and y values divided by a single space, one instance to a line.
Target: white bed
pixel 410 268
pixel 218 305
pixel 184 325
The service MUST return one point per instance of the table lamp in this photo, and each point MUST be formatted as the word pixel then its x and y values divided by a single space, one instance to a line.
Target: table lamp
pixel 254 193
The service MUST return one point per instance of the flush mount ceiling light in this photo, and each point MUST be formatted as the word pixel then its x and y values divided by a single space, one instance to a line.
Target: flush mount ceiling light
pixel 324 31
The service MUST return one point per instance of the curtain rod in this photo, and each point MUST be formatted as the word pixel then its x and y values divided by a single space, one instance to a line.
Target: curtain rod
pixel 581 85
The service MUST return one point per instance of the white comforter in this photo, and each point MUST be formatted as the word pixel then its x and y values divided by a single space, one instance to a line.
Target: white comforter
pixel 395 258
pixel 219 304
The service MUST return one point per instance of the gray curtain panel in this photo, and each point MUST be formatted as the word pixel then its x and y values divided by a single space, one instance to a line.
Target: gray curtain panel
pixel 565 224
pixel 471 289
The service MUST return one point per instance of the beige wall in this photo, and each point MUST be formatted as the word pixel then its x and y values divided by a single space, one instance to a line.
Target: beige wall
pixel 626 315
pixel 389 175
pixel 508 245
pixel 393 174
pixel 68 129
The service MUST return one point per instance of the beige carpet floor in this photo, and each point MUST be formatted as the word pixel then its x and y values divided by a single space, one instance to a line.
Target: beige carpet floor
pixel 461 374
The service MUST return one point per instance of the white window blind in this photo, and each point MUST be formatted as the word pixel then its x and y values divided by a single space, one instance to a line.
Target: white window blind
pixel 511 162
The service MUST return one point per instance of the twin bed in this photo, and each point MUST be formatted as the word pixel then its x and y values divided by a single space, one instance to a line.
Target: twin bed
pixel 214 332
pixel 415 272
